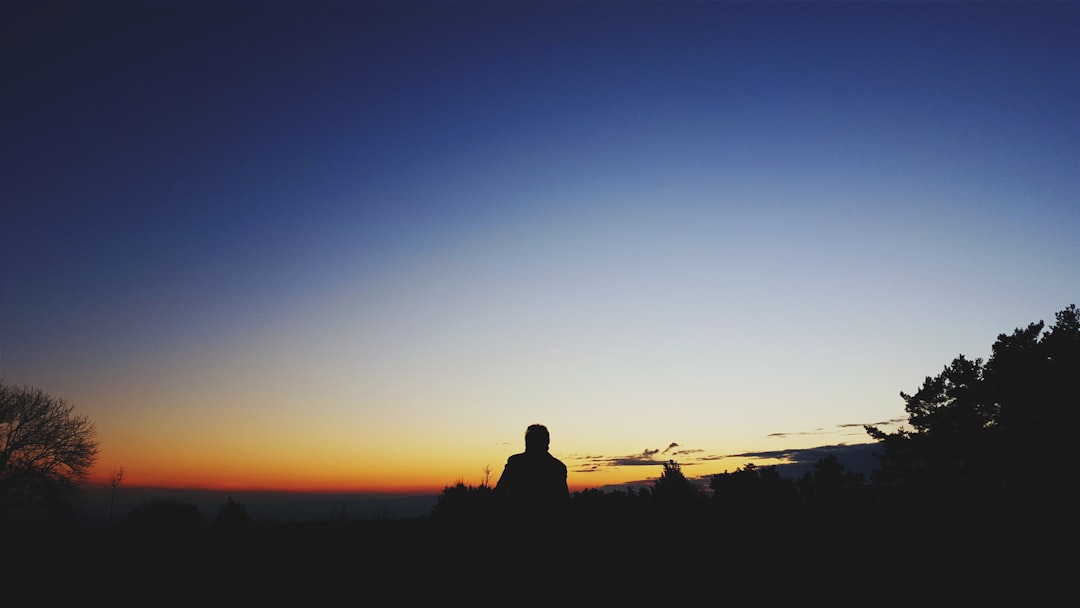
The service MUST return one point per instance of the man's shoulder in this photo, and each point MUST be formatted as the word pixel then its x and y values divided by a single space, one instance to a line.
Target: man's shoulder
pixel 555 461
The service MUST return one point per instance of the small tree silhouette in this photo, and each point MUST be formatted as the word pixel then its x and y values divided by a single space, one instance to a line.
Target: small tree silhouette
pixel 338 511
pixel 673 492
pixel 166 514
pixel 232 514
pixel 114 482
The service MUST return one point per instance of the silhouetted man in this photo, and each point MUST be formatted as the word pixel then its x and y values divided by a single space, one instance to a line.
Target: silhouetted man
pixel 535 501
pixel 533 483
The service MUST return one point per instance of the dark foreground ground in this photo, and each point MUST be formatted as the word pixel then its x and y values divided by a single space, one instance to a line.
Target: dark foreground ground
pixel 597 562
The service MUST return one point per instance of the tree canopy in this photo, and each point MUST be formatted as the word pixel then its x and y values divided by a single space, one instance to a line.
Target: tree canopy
pixel 995 425
pixel 45 449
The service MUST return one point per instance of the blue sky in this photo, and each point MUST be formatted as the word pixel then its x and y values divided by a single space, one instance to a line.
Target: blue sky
pixel 391 236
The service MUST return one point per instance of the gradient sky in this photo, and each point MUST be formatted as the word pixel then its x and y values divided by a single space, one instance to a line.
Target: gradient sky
pixel 360 245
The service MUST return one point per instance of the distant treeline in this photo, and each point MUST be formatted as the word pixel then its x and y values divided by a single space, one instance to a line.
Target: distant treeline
pixel 748 491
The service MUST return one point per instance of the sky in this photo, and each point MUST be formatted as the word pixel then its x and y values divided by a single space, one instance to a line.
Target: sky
pixel 360 245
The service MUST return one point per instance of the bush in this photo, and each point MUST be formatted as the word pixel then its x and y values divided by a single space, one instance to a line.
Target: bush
pixel 463 501
pixel 166 514
pixel 232 514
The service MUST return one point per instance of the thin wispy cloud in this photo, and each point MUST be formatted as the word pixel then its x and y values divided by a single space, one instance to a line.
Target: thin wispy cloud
pixel 690 456
pixel 859 458
pixel 818 431
pixel 860 455
pixel 687 452
pixel 846 428
pixel 647 457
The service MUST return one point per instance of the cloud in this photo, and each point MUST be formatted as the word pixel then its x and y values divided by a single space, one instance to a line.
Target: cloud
pixel 857 458
pixel 647 457
pixel 817 431
pixel 794 454
pixel 688 452
pixel 591 464
pixel 890 422
pixel 794 462
pixel 858 427
pixel 709 457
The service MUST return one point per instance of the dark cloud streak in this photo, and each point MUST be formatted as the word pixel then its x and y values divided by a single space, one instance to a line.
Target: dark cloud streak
pixel 843 426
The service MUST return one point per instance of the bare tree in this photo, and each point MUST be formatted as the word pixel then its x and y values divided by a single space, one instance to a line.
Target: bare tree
pixel 114 481
pixel 45 450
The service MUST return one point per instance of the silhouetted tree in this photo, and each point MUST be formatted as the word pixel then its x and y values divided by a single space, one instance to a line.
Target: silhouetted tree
pixel 673 493
pixel 830 487
pixel 232 514
pixel 1033 378
pixel 45 450
pixel 752 491
pixel 114 483
pixel 975 425
pixel 952 414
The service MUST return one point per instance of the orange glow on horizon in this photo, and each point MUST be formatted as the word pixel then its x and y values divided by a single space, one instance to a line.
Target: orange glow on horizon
pixel 385 482
pixel 341 463
pixel 319 486
pixel 256 483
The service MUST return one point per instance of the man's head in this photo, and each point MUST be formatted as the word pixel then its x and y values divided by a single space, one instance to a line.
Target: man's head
pixel 537 438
